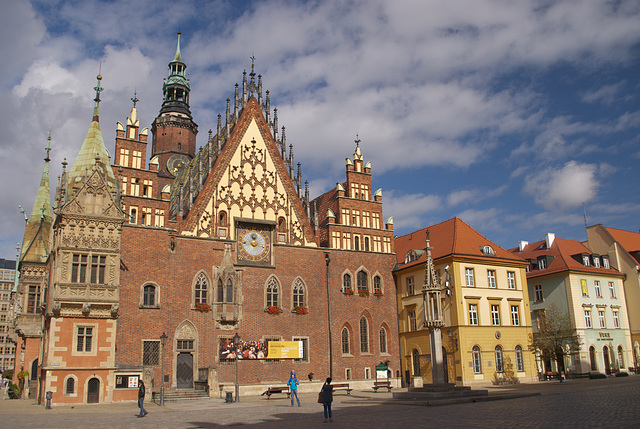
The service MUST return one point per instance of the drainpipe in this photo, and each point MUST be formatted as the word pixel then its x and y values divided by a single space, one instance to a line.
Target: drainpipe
pixel 327 261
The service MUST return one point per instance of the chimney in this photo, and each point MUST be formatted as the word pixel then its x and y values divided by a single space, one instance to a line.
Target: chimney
pixel 522 245
pixel 549 237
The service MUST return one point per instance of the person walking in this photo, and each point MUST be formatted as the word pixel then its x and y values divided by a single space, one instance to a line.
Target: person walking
pixel 141 392
pixel 327 399
pixel 293 387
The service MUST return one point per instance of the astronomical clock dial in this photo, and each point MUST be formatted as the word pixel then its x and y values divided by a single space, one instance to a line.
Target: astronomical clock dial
pixel 176 163
pixel 254 245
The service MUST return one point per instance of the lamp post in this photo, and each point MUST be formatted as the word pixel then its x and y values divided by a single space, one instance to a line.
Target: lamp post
pixel 236 341
pixel 163 341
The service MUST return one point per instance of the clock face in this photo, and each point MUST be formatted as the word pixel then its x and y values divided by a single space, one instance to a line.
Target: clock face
pixel 176 163
pixel 254 244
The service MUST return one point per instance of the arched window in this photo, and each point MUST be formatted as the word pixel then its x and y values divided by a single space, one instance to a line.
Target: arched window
pixel 356 243
pixel 220 291
pixel 499 359
pixel 620 357
pixel 346 346
pixel 299 293
pixel 346 282
pixel 229 290
pixel 71 386
pixel 364 335
pixel 477 361
pixel 366 244
pixel 149 296
pixel 519 359
pixel 377 284
pixel 383 340
pixel 416 362
pixel 222 219
pixel 592 358
pixel 201 287
pixel 273 290
pixel 362 281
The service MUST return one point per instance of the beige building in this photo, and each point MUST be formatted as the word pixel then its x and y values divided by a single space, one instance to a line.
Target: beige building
pixel 7 279
pixel 485 306
pixel 623 251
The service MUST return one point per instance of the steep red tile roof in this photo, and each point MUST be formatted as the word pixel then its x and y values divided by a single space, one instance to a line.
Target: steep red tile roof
pixel 567 255
pixel 629 240
pixel 451 237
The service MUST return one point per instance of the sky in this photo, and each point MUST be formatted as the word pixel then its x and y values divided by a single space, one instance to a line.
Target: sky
pixel 521 118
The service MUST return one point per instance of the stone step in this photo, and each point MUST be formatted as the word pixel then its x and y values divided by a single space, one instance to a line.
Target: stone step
pixel 181 394
pixel 422 394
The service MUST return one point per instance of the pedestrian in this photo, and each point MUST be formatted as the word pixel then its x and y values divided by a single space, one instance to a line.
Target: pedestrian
pixel 293 387
pixel 141 392
pixel 327 399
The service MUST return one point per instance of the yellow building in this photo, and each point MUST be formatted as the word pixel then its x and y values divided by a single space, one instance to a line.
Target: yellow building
pixel 485 304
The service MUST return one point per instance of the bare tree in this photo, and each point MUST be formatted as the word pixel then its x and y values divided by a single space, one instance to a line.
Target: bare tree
pixel 555 334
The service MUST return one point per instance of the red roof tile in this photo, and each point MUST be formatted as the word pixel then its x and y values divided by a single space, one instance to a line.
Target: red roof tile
pixel 629 240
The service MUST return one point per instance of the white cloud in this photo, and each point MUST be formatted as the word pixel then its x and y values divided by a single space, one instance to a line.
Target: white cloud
pixel 563 188
pixel 410 211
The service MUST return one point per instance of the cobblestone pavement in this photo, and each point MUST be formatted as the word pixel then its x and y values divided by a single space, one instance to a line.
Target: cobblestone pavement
pixel 608 403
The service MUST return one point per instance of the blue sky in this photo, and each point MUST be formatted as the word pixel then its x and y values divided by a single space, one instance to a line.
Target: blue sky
pixel 510 115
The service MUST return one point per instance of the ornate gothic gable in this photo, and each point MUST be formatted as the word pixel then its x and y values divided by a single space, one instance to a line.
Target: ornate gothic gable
pixel 250 181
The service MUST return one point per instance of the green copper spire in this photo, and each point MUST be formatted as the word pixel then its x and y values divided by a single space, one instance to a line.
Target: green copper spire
pixel 176 87
pixel 178 57
pixel 92 153
pixel 36 233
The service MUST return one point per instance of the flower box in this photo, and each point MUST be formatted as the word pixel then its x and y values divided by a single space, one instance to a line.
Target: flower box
pixel 348 291
pixel 300 309
pixel 363 292
pixel 272 309
pixel 378 293
pixel 203 307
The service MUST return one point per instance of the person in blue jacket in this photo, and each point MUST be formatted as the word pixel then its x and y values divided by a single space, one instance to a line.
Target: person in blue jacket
pixel 293 386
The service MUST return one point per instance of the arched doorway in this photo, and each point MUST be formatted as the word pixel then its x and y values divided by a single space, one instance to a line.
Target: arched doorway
pixel 607 360
pixel 184 371
pixel 33 380
pixel 93 391
pixel 186 347
pixel 592 358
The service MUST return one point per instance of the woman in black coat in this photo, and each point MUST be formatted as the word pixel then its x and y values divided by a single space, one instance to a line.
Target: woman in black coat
pixel 327 399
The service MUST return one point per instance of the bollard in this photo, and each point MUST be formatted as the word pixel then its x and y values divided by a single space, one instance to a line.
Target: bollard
pixel 49 395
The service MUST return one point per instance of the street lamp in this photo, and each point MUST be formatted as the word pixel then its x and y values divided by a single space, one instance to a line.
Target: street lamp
pixel 163 341
pixel 236 341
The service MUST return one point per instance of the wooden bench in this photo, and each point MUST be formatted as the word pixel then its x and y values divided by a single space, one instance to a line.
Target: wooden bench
pixel 277 389
pixel 342 386
pixel 382 385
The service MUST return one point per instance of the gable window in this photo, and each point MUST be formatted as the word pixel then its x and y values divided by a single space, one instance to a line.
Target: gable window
pixel 383 340
pixel 495 315
pixel 469 277
pixel 415 355
pixel 346 282
pixel 473 314
pixel 363 281
pixel 364 335
pixel 346 347
pixel 273 292
pixel 201 287
pixel 499 359
pixel 612 290
pixel 491 278
pixel 587 318
pixel 298 293
pixel 84 339
pixel 596 285
pixel 519 359
pixel 149 296
pixel 515 315
pixel 511 280
pixel 477 361
pixel 537 293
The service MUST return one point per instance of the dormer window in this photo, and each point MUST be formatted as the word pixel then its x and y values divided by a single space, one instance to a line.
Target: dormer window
pixel 488 250
pixel 585 260
pixel 410 257
pixel 542 263
pixel 605 262
pixel 596 261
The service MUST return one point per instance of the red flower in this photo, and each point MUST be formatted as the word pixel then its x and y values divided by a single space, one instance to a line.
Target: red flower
pixel 272 309
pixel 203 307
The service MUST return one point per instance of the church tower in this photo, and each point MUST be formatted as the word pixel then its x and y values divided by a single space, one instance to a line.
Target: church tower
pixel 174 131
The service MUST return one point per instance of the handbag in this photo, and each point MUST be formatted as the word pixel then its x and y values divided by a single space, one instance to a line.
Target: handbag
pixel 320 395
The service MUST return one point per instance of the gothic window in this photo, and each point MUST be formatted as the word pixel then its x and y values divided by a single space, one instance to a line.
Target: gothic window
pixel 149 296
pixel 366 244
pixel 383 340
pixel 346 282
pixel 200 289
pixel 346 347
pixel 229 290
pixel 273 292
pixel 299 294
pixel 416 361
pixel 362 281
pixel 71 386
pixel 476 359
pixel 220 291
pixel 356 243
pixel 519 359
pixel 377 284
pixel 364 335
pixel 223 218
